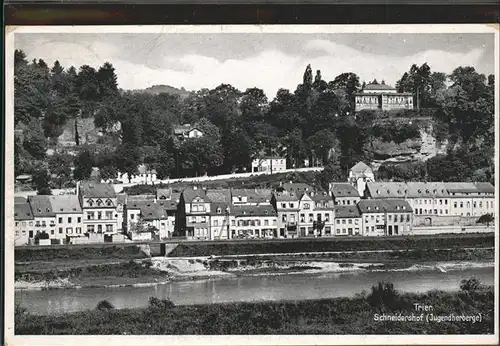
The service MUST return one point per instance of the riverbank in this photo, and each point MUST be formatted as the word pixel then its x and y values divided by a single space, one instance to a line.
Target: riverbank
pixel 158 270
pixel 356 315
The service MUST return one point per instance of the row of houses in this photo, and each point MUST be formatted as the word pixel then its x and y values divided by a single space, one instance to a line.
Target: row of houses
pixel 96 213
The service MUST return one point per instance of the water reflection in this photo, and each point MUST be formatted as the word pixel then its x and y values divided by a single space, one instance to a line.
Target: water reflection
pixel 304 286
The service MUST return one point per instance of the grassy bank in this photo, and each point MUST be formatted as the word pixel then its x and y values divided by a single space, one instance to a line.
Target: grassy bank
pixel 335 244
pixel 78 253
pixel 327 316
pixel 95 275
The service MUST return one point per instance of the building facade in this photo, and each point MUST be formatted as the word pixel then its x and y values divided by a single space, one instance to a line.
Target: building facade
pixel 439 203
pixel 99 205
pixel 360 175
pixel 347 220
pixel 44 217
pixel 23 223
pixel 286 205
pixel 69 215
pixel 269 164
pixel 344 194
pixel 382 97
pixel 254 221
pixel 187 131
pixel 194 214
pixel 386 217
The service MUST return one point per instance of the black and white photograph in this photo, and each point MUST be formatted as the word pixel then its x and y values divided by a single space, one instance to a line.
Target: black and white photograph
pixel 277 183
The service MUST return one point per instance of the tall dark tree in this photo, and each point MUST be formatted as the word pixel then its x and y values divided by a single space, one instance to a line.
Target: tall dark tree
pixel 83 165
pixel 35 141
pixel 41 181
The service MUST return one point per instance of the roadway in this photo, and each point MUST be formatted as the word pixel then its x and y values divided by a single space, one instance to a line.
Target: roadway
pixel 255 241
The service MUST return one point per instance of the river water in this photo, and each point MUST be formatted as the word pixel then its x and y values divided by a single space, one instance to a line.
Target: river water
pixel 249 288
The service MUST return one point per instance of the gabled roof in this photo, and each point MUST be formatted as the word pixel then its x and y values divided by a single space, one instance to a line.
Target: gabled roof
pixel 361 167
pixel 223 206
pixel 18 199
pixel 92 189
pixel 41 206
pixel 219 196
pixel 346 211
pixel 286 196
pixel 485 187
pixel 319 196
pixel 22 211
pixel 190 194
pixel 253 210
pixel 296 187
pixel 378 87
pixel 145 197
pixel 384 206
pixel 253 195
pixel 344 190
pixel 65 204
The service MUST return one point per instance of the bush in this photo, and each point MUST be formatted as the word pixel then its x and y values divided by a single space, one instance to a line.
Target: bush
pixel 383 295
pixel 160 304
pixel 104 305
pixel 470 285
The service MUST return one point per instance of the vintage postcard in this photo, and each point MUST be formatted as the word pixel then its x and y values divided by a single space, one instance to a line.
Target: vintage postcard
pixel 252 185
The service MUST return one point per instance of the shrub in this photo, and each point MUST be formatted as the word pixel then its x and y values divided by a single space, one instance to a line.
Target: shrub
pixel 104 305
pixel 160 304
pixel 383 295
pixel 470 285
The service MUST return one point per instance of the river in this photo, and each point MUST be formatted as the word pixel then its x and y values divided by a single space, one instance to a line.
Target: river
pixel 249 288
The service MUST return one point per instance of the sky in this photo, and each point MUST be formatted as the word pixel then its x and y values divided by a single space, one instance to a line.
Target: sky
pixel 267 61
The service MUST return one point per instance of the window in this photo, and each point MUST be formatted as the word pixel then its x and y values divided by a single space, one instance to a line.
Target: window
pixel 52 232
pixel 435 211
pixel 284 218
pixel 78 230
pixel 307 206
pixel 461 204
pixel 109 203
pixel 445 201
pixel 468 204
pixel 290 205
pixel 401 218
pixel 109 228
pixel 132 217
pixel 30 223
pixel 338 222
pixel 79 219
pixel 441 201
pixel 91 228
pixel 69 230
pixel 60 220
pixel 480 204
pixel 99 203
pixel 356 221
pixel 283 205
pixel 109 215
pixel 91 203
pixel 99 215
pixel 17 224
pixel 389 217
pixel 446 211
pixel 99 228
pixel 343 221
pixel 350 221
pixel 372 217
pixel 328 230
pixel 69 220
pixel 266 222
pixel 17 233
pixel 90 215
pixel 219 210
pixel 440 211
pixel 233 222
pixel 327 217
pixel 44 224
pixel 407 217
pixel 60 230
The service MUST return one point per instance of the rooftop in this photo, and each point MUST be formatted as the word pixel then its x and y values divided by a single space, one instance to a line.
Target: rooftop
pixel 361 167
pixel 384 205
pixel 253 195
pixel 22 211
pixel 344 190
pixel 372 86
pixel 286 196
pixel 221 195
pixel 41 206
pixel 346 211
pixel 65 204
pixel 297 187
pixel 253 210
pixel 94 190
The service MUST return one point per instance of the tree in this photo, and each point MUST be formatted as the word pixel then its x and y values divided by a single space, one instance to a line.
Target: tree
pixel 40 181
pixel 83 165
pixel 35 142
pixel 321 145
pixel 128 157
pixel 332 172
pixel 60 167
pixel 349 82
pixel 253 105
pixel 486 218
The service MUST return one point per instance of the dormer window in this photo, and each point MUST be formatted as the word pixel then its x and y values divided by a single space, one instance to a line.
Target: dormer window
pixel 397 207
pixel 91 203
pixel 388 192
pixel 265 212
pixel 109 203
pixel 426 191
pixel 48 210
pixel 378 192
pixel 419 191
pixel 219 210
pixel 376 208
pixel 404 207
pixel 368 208
pixel 99 203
